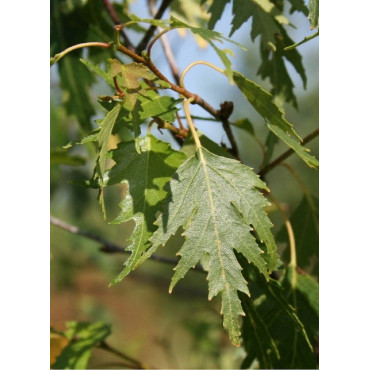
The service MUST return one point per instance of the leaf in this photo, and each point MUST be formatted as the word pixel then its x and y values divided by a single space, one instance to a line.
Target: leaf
pixel 273 66
pixel 105 132
pixel 130 73
pixel 266 17
pixel 216 200
pixel 145 166
pixel 208 35
pixel 189 147
pixel 73 23
pixel 97 70
pixel 60 156
pixel 244 124
pixel 256 336
pixel 313 16
pixel 154 105
pixel 298 5
pixel 305 224
pixel 285 323
pixel 82 338
pixel 57 343
pixel 262 101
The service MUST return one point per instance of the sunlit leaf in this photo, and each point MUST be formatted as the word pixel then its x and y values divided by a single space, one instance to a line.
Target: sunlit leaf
pixel 82 338
pixel 262 101
pixel 216 200
pixel 144 166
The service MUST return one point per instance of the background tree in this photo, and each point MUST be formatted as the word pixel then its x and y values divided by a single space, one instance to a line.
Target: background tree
pixel 171 179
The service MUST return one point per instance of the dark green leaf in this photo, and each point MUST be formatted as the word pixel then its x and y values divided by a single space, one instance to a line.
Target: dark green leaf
pixel 298 5
pixel 83 337
pixel 145 166
pixel 274 67
pixel 257 339
pixel 305 224
pixel 244 124
pixel 216 200
pixel 189 147
pixel 262 101
pixel 60 156
pixel 289 324
pixel 71 24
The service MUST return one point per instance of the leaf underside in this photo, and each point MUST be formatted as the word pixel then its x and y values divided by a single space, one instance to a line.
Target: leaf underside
pixel 217 202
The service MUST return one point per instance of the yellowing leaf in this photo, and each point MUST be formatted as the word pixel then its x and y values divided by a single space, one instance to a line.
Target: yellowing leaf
pixel 57 344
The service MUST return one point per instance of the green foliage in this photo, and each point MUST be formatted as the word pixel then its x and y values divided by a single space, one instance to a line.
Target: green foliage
pixel 144 166
pixel 313 16
pixel 263 103
pixel 82 338
pixel 267 22
pixel 305 224
pixel 290 317
pixel 206 34
pixel 215 199
pixel 73 23
pixel 218 203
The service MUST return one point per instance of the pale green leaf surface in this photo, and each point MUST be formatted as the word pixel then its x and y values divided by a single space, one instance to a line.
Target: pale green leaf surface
pixel 262 101
pixel 83 337
pixel 216 200
pixel 145 172
pixel 313 16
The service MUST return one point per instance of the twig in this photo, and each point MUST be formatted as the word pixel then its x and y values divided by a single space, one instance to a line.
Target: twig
pixel 149 33
pixel 114 16
pixel 109 247
pixel 286 154
pixel 135 364
pixel 308 38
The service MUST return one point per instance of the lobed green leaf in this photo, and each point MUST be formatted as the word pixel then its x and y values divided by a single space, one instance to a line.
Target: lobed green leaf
pixel 82 338
pixel 262 101
pixel 217 201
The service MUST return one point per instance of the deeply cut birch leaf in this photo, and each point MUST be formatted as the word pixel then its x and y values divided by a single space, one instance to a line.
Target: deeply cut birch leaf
pixel 217 201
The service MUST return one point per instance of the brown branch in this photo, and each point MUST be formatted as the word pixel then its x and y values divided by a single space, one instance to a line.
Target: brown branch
pixel 149 33
pixel 109 247
pixel 286 154
pixel 114 16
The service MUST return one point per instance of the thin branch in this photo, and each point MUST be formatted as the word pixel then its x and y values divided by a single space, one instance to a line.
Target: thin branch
pixel 60 55
pixel 135 364
pixel 109 247
pixel 308 38
pixel 149 33
pixel 114 16
pixel 286 154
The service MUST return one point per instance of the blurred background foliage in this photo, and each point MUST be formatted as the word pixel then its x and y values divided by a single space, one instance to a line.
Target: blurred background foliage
pixel 181 330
